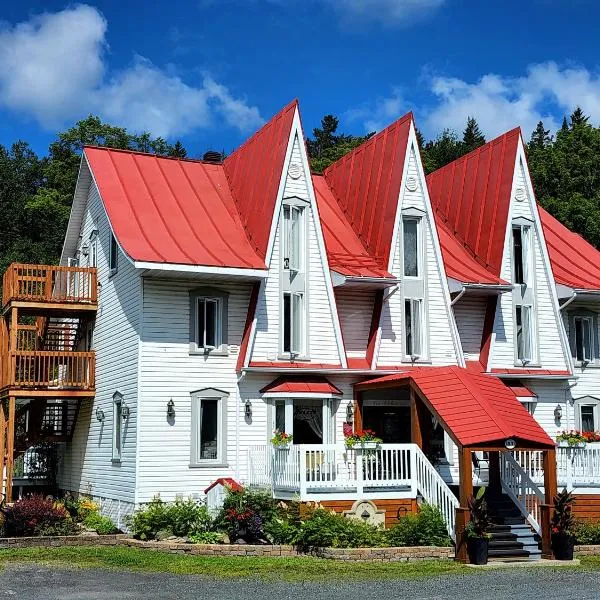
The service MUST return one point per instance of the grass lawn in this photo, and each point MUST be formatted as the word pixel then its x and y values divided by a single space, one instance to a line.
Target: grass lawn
pixel 288 569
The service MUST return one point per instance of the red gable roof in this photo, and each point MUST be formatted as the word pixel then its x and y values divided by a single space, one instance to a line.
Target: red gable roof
pixel 472 197
pixel 575 262
pixel 164 210
pixel 366 184
pixel 305 385
pixel 254 172
pixel 478 409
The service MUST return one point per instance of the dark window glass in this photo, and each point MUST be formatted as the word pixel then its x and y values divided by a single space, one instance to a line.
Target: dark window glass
pixel 411 248
pixel 408 326
pixel 114 253
pixel 209 429
pixel 587 418
pixel 280 415
pixel 518 255
pixel 201 322
pixel 287 322
pixel 211 323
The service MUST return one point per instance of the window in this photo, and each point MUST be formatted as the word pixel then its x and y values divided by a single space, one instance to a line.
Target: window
pixel 413 336
pixel 293 229
pixel 93 250
pixel 113 260
pixel 583 327
pixel 117 424
pixel 521 254
pixel 524 334
pixel 309 420
pixel 208 427
pixel 587 414
pixel 411 247
pixel 208 321
pixel 293 323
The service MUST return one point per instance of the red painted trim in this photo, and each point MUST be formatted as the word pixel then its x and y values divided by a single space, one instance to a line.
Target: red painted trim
pixel 377 308
pixel 248 326
pixel 488 328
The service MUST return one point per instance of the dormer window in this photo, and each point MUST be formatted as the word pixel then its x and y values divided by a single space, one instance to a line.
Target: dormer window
pixel 293 230
pixel 521 260
pixel 524 333
pixel 411 237
pixel 293 319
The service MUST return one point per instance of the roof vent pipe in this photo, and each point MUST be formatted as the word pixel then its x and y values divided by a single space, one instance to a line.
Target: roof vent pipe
pixel 213 157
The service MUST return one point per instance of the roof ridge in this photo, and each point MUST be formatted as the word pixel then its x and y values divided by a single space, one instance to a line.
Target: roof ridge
pixel 149 154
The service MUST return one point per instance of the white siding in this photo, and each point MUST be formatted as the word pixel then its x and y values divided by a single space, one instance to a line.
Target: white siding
pixel 355 309
pixel 469 313
pixel 322 343
pixel 550 394
pixel 439 330
pixel 87 466
pixel 550 346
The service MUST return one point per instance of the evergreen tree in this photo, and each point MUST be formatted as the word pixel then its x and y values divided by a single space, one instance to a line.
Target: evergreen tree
pixel 540 138
pixel 472 136
pixel 178 151
pixel 578 118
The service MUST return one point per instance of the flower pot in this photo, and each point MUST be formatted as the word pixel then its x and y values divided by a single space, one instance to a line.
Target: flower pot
pixel 580 445
pixel 368 445
pixel 563 545
pixel 563 444
pixel 477 549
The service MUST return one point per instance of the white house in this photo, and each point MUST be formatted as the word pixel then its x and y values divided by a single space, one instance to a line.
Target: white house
pixel 449 314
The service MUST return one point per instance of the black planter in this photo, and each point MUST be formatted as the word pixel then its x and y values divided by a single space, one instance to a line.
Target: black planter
pixel 562 546
pixel 478 550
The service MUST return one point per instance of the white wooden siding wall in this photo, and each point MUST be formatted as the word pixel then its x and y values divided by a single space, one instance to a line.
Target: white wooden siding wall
pixel 550 394
pixel 441 346
pixel 469 313
pixel 322 340
pixel 548 335
pixel 87 466
pixel 168 371
pixel 355 308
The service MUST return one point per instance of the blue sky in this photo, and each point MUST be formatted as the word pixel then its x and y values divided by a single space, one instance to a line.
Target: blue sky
pixel 211 71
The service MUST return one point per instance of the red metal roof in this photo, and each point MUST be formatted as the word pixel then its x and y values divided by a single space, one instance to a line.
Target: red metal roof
pixel 476 408
pixel 531 372
pixel 346 253
pixel 366 184
pixel 307 384
pixel 164 210
pixel 519 390
pixel 254 173
pixel 272 364
pixel 472 196
pixel 575 262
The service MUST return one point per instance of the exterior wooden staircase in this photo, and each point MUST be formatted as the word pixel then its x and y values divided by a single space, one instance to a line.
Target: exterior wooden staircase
pixel 46 366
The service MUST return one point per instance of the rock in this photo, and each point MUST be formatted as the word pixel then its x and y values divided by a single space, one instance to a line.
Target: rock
pixel 225 539
pixel 240 542
pixel 163 535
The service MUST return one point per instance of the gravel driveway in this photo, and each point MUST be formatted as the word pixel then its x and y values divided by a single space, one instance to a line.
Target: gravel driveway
pixel 29 582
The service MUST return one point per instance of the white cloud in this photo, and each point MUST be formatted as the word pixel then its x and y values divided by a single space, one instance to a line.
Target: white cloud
pixel 545 92
pixel 53 69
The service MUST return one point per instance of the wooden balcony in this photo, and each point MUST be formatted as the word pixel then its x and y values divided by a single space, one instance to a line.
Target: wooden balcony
pixel 50 288
pixel 51 373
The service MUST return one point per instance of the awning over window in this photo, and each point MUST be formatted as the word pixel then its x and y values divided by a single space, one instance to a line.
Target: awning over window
pixel 306 386
pixel 475 409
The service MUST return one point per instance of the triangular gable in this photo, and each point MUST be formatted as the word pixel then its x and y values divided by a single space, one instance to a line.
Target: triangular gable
pixel 472 197
pixel 366 184
pixel 254 175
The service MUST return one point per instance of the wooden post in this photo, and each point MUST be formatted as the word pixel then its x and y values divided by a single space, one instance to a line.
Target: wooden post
pixel 357 412
pixel 14 320
pixel 10 447
pixel 416 433
pixel 465 475
pixel 2 446
pixel 462 518
pixel 550 489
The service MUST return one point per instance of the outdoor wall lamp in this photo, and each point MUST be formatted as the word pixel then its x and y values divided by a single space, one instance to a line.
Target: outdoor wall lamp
pixel 349 413
pixel 100 415
pixel 558 412
pixel 248 409
pixel 170 409
pixel 125 412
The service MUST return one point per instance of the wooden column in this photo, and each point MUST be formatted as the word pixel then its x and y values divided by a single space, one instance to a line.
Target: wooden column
pixel 465 483
pixel 416 432
pixel 462 518
pixel 10 446
pixel 2 446
pixel 550 489
pixel 14 321
pixel 358 422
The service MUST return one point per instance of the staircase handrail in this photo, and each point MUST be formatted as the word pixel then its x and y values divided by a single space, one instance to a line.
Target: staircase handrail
pixel 434 489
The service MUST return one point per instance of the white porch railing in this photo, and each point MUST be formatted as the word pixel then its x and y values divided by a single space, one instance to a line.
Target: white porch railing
pixel 331 471
pixel 521 489
pixel 575 467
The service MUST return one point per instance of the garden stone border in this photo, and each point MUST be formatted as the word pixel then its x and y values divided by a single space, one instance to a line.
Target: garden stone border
pixel 401 554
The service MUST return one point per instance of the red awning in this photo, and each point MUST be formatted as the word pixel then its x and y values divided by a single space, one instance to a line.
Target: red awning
pixel 475 409
pixel 299 386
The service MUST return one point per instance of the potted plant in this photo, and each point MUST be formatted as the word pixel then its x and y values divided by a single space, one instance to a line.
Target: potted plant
pixel 281 440
pixel 365 439
pixel 478 537
pixel 571 438
pixel 563 540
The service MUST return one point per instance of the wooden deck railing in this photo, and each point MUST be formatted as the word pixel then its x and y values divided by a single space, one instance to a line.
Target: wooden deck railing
pixel 49 283
pixel 49 369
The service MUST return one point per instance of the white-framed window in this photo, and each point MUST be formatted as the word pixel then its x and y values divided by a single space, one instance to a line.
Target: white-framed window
pixel 293 323
pixel 521 244
pixel 587 414
pixel 524 324
pixel 583 337
pixel 208 320
pixel 411 235
pixel 93 250
pixel 208 432
pixel 308 420
pixel 292 237
pixel 413 327
pixel 117 427
pixel 113 258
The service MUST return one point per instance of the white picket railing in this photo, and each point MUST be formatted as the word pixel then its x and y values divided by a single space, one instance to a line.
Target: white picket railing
pixel 318 471
pixel 522 489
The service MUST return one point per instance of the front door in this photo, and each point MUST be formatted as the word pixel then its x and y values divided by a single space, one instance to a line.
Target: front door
pixel 390 423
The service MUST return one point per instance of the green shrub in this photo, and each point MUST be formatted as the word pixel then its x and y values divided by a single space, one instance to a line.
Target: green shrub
pixel 101 524
pixel 206 537
pixel 36 515
pixel 425 528
pixel 587 533
pixel 324 528
pixel 181 518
